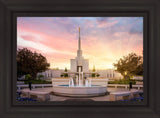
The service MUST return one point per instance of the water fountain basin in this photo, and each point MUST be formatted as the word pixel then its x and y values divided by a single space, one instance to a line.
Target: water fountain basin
pixel 79 91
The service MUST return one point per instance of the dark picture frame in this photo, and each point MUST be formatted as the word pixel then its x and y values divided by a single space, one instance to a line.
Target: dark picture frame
pixel 11 9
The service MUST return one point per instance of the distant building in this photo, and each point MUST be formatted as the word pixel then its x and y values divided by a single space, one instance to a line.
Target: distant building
pixel 56 73
pixel 51 73
pixel 109 73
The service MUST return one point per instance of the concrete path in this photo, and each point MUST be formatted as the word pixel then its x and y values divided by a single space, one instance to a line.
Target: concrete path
pixel 63 98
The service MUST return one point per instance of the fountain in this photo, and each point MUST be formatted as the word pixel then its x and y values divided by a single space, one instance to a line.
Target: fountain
pixel 86 83
pixel 90 83
pixel 71 82
pixel 79 89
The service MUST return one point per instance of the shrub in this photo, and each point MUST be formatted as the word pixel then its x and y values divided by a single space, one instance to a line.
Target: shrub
pixel 40 76
pixel 27 77
pixel 122 81
pixel 66 75
pixel 93 75
pixel 98 75
pixel 38 82
pixel 62 75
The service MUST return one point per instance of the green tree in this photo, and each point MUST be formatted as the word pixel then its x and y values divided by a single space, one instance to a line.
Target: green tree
pixel 28 77
pixel 29 62
pixel 65 74
pixel 65 69
pixel 94 70
pixel 130 65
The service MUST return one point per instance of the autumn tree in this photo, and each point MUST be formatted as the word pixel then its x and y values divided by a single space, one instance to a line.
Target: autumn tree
pixel 130 65
pixel 29 62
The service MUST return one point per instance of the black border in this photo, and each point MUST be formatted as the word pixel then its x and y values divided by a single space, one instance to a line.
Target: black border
pixel 9 9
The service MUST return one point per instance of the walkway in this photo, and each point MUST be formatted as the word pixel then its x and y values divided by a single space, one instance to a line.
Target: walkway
pixel 62 98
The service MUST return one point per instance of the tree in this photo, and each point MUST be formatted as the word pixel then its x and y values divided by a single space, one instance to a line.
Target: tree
pixel 65 69
pixel 93 70
pixel 30 63
pixel 65 74
pixel 130 65
pixel 28 77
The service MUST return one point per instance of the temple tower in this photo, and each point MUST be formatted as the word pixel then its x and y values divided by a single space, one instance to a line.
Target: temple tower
pixel 79 63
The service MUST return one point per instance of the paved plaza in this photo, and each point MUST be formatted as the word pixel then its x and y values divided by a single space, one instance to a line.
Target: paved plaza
pixel 63 98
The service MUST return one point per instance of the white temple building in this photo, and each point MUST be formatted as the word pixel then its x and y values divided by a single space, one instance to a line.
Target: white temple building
pixel 79 62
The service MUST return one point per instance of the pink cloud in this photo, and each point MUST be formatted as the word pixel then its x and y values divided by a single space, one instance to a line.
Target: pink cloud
pixel 106 24
pixel 60 44
pixel 89 24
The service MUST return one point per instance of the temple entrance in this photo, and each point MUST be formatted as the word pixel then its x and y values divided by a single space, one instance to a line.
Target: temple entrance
pixel 79 68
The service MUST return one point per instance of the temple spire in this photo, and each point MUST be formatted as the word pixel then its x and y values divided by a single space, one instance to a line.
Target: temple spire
pixel 79 42
pixel 79 51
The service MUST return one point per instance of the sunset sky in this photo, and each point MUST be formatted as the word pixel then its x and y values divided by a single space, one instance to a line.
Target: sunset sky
pixel 103 39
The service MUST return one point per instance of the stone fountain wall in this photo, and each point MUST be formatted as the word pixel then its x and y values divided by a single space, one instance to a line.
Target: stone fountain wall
pixel 65 81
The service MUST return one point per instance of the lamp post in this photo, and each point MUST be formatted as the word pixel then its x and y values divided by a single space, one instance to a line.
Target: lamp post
pixel 130 82
pixel 130 85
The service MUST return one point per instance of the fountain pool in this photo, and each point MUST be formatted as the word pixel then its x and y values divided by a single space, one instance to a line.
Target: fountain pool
pixel 80 91
pixel 77 88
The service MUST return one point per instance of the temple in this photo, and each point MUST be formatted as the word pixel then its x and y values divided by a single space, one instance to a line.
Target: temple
pixel 79 63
